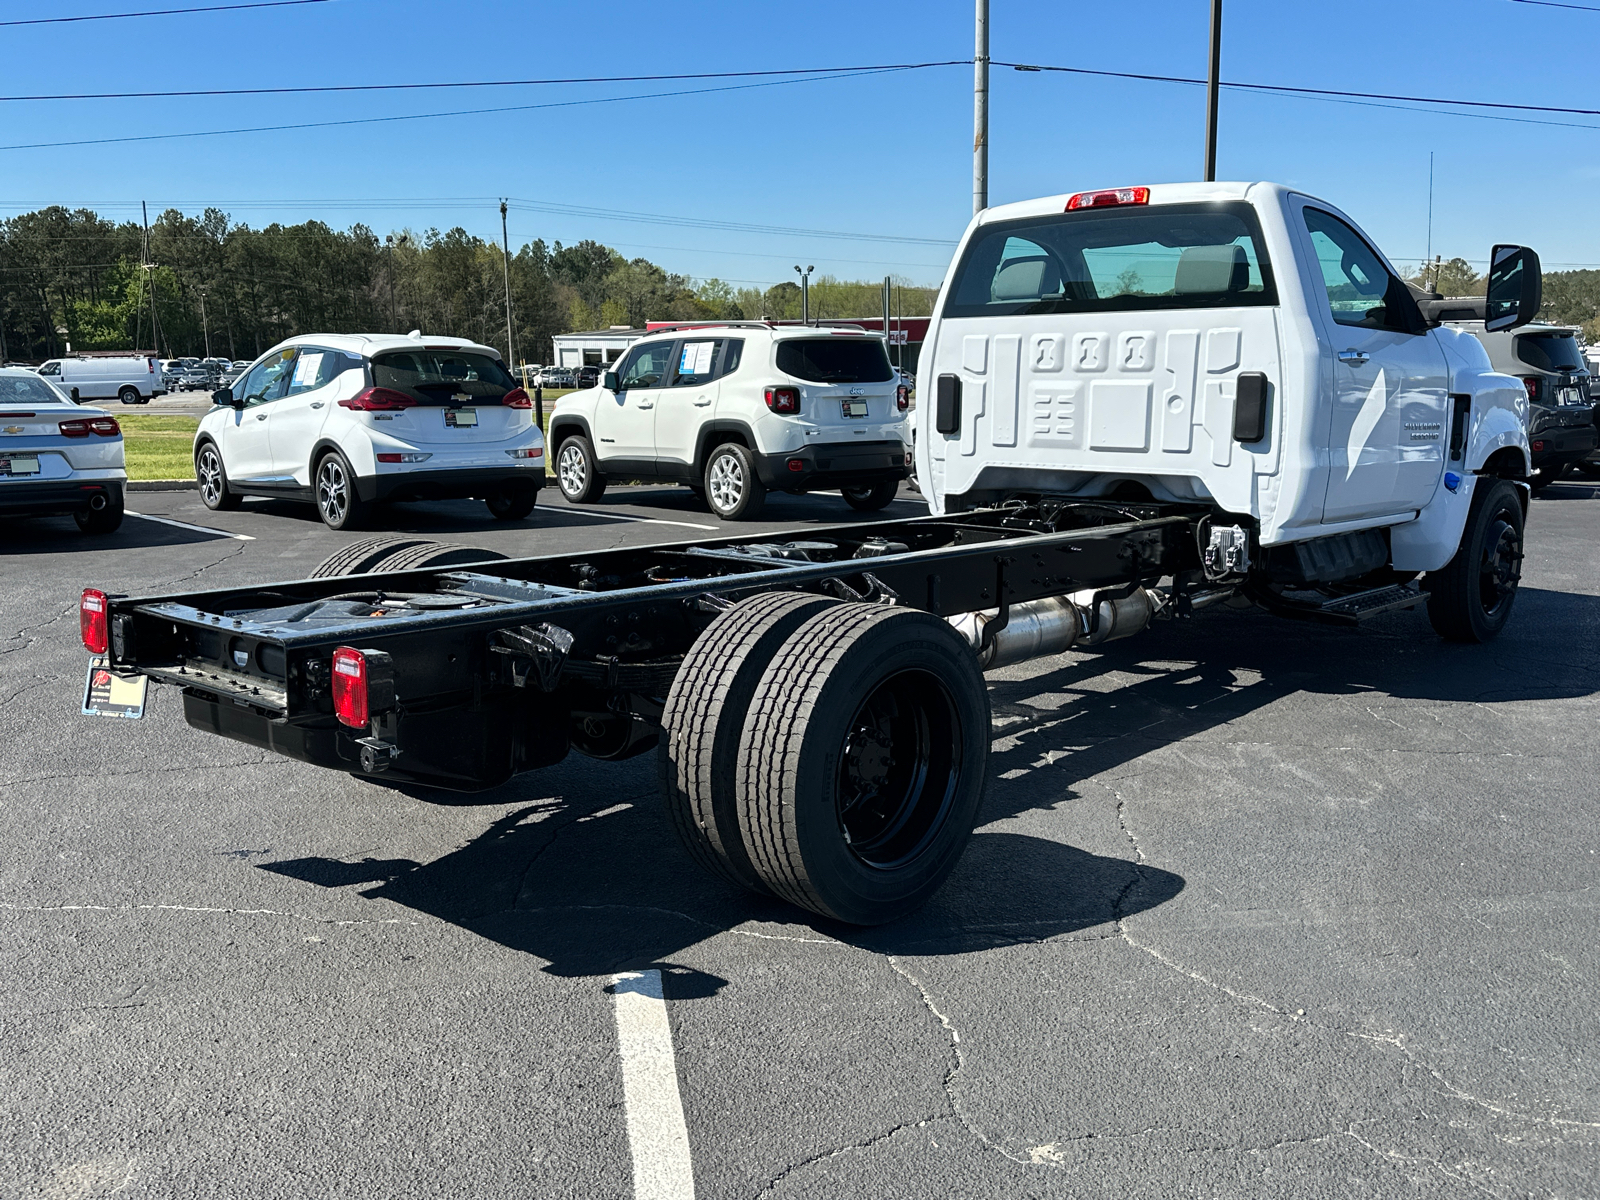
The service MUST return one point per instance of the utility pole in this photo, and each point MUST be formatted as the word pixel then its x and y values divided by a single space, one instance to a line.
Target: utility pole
pixel 505 246
pixel 887 284
pixel 1430 223
pixel 980 110
pixel 204 324
pixel 150 273
pixel 1213 83
pixel 805 293
pixel 388 242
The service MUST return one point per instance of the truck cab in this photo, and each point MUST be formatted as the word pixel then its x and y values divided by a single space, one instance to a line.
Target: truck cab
pixel 1239 345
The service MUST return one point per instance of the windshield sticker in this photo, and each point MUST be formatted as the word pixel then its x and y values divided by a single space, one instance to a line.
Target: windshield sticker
pixel 696 359
pixel 306 368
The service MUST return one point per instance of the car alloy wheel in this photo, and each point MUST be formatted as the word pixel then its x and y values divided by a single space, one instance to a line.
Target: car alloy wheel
pixel 725 482
pixel 572 470
pixel 333 491
pixel 209 470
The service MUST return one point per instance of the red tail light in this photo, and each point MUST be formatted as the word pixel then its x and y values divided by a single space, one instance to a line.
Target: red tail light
pixel 902 397
pixel 350 687
pixel 517 398
pixel 83 427
pixel 785 400
pixel 377 399
pixel 75 429
pixel 1110 198
pixel 1532 384
pixel 92 621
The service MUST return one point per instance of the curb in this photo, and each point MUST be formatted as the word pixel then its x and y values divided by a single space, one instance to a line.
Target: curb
pixel 160 485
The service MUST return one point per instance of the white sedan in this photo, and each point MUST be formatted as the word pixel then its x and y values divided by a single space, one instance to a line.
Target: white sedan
pixel 58 457
pixel 348 421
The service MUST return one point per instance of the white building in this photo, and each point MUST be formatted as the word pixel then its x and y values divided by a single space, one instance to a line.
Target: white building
pixel 597 348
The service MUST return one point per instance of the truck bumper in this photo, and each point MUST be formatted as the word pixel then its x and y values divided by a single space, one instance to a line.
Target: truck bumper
pixel 1551 449
pixel 448 485
pixel 833 464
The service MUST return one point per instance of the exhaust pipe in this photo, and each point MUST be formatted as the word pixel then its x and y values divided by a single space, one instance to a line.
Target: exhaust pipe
pixel 1055 624
pixel 98 501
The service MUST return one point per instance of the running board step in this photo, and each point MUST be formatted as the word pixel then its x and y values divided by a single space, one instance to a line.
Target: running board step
pixel 1369 604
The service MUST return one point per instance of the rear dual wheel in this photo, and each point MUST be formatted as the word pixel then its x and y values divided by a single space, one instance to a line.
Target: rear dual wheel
pixel 861 759
pixel 375 555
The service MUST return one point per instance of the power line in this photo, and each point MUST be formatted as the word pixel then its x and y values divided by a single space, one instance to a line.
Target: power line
pixel 469 112
pixel 1556 4
pixel 160 12
pixel 484 83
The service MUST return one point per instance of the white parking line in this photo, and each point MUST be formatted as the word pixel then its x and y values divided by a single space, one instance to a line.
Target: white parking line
pixel 658 1137
pixel 221 533
pixel 584 512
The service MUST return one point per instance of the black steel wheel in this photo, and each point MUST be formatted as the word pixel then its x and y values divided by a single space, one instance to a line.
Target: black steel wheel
pixel 1470 599
pixel 704 720
pixel 864 762
pixel 211 477
pixel 871 497
pixel 335 487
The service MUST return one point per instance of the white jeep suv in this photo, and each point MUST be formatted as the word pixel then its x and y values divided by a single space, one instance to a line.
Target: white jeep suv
pixel 352 420
pixel 737 410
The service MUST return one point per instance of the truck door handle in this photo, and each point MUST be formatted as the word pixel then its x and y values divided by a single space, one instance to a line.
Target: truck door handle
pixel 1353 358
pixel 702 401
pixel 647 404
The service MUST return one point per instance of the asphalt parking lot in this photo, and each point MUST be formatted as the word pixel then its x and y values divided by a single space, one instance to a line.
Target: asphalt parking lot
pixel 1255 909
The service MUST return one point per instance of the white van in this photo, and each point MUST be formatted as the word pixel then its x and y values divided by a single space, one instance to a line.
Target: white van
pixel 132 379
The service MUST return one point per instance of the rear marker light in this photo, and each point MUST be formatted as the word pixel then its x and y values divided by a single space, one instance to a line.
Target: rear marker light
pixel 517 398
pixel 535 452
pixel 1110 198
pixel 785 400
pixel 797 464
pixel 92 620
pixel 902 397
pixel 403 458
pixel 1536 446
pixel 377 399
pixel 350 687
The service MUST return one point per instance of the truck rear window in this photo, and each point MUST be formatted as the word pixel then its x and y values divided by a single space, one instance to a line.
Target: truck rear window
pixel 1551 352
pixel 835 360
pixel 1115 260
pixel 439 376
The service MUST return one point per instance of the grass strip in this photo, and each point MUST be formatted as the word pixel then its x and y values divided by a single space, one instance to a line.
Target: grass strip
pixel 159 447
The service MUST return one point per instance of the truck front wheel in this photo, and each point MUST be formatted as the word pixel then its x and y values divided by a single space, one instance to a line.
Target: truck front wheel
pixel 1470 599
pixel 705 716
pixel 863 762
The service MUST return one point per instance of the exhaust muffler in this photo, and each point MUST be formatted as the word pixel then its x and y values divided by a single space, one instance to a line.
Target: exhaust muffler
pixel 1055 624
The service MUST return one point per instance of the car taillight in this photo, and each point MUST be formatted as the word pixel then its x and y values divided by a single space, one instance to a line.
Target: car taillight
pixel 1531 383
pixel 350 687
pixel 517 398
pixel 784 400
pixel 106 427
pixel 1110 198
pixel 75 428
pixel 902 397
pixel 377 399
pixel 92 620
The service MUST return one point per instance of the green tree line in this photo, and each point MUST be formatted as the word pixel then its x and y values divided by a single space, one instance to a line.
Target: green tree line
pixel 74 277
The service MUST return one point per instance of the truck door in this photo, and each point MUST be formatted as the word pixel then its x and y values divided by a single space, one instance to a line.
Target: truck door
pixel 1390 380
pixel 625 420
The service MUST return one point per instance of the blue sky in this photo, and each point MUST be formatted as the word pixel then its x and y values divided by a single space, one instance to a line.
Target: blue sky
pixel 887 155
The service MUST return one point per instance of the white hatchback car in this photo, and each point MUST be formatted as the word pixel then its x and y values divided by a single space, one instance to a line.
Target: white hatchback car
pixel 352 420
pixel 57 457
pixel 737 410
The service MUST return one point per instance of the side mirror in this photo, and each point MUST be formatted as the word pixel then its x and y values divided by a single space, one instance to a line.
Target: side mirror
pixel 609 381
pixel 223 396
pixel 75 398
pixel 1516 288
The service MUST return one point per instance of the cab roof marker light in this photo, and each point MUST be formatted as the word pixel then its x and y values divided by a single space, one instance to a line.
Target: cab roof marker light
pixel 1109 198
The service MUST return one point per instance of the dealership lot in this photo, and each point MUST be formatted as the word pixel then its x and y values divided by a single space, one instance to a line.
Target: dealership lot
pixel 1344 882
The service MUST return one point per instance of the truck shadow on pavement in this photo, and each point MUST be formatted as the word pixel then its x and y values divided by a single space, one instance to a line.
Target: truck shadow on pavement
pixel 584 873
pixel 61 535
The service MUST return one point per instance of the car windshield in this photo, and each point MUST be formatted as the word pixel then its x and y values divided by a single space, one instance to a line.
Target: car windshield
pixel 27 389
pixel 1131 259
pixel 835 360
pixel 1551 352
pixel 442 376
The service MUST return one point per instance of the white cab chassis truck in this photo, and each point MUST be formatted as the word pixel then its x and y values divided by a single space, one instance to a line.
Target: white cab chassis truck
pixel 1143 401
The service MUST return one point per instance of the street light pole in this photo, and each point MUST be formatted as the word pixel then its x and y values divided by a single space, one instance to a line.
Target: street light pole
pixel 980 110
pixel 805 293
pixel 505 246
pixel 1213 82
pixel 204 324
pixel 388 242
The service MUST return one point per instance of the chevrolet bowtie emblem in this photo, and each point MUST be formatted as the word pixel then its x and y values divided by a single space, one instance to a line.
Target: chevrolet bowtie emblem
pixel 461 397
pixel 13 429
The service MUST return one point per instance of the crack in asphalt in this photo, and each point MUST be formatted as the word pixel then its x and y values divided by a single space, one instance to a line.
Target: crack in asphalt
pixel 27 629
pixel 889 1134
